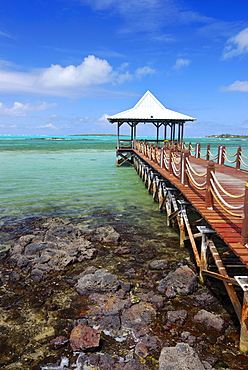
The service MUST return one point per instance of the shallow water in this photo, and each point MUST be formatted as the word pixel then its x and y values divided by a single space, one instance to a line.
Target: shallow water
pixel 78 179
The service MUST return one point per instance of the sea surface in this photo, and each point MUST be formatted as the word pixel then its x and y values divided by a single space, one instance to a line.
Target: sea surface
pixel 78 179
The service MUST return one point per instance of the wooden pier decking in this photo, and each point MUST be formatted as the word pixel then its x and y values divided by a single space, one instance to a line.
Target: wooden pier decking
pixel 228 227
pixel 218 193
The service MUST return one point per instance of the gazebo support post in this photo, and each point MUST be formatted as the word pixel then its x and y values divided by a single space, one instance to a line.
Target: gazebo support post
pixel 165 129
pixel 118 135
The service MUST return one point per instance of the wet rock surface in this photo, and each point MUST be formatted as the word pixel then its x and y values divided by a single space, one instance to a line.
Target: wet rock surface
pixel 180 357
pixel 100 299
pixel 55 246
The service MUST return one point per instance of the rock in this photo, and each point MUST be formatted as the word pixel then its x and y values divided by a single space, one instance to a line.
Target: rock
pixel 150 342
pixel 105 312
pixel 106 234
pixel 141 350
pixel 151 297
pixel 83 337
pixel 183 281
pixel 188 338
pixel 204 299
pixel 170 292
pixel 158 265
pixel 36 275
pixel 101 281
pixel 122 250
pixel 180 357
pixel 177 317
pixel 57 245
pixel 138 315
pixel 134 365
pixel 58 342
pixel 210 320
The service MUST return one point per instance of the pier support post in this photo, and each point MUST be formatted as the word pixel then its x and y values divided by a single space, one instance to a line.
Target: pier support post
pixel 209 196
pixel 243 341
pixel 244 231
pixel 206 237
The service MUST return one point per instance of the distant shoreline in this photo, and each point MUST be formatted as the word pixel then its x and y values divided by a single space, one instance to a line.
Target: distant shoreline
pixel 228 136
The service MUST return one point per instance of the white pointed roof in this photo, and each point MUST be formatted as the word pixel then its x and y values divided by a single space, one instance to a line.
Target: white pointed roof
pixel 149 109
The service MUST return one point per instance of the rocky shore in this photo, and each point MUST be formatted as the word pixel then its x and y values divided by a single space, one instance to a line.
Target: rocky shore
pixel 82 298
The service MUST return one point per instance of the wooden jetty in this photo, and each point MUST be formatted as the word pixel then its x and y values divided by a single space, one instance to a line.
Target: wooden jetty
pixel 206 196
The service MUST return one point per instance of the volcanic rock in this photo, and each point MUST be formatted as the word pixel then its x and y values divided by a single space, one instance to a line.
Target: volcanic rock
pixel 180 357
pixel 210 320
pixel 183 281
pixel 100 281
pixel 83 337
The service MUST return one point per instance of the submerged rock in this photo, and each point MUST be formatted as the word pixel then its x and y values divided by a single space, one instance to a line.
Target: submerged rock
pixel 105 234
pixel 138 316
pixel 100 281
pixel 210 320
pixel 58 342
pixel 57 245
pixel 158 264
pixel 183 281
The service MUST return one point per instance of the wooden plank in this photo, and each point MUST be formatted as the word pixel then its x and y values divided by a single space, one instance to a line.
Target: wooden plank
pixel 228 227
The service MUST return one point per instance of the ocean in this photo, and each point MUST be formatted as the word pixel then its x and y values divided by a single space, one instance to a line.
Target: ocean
pixel 78 179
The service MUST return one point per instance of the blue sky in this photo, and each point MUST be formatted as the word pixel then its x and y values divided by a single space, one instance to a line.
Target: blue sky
pixel 65 65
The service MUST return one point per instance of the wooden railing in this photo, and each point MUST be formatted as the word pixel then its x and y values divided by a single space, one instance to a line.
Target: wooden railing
pixel 177 162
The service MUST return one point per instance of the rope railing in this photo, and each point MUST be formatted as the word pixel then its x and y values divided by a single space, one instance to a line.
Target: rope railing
pixel 230 155
pixel 192 169
pixel 213 157
pixel 194 183
pixel 228 161
pixel 222 203
pixel 243 163
pixel 177 160
pixel 202 155
pixel 178 163
pixel 176 170
pixel 223 190
pixel 242 154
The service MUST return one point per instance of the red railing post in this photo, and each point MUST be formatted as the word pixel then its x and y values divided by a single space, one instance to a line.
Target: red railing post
pixel 221 154
pixel 198 150
pixel 238 158
pixel 244 231
pixel 170 163
pixel 162 157
pixel 208 152
pixel 209 196
pixel 183 175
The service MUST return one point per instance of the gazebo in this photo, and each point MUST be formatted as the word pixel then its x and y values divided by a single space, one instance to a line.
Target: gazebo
pixel 150 110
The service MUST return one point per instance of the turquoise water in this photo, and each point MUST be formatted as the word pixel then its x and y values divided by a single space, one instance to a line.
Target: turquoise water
pixel 77 179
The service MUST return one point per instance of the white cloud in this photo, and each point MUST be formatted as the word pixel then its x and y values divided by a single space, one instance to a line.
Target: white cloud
pixel 102 121
pixel 68 81
pixel 49 125
pixel 180 63
pixel 143 71
pixel 91 71
pixel 20 110
pixel 241 86
pixel 236 45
